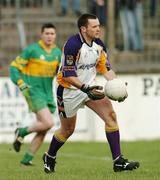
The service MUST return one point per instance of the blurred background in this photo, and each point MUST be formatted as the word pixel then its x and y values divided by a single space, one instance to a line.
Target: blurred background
pixel 20 22
pixel 131 32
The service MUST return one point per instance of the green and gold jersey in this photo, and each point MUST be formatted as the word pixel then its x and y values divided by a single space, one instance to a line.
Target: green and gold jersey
pixel 37 67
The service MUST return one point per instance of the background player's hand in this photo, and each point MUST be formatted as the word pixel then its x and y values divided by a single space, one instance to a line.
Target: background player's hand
pixel 93 92
pixel 24 89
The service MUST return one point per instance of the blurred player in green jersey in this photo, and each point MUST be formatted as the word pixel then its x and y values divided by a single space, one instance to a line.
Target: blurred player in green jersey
pixel 33 72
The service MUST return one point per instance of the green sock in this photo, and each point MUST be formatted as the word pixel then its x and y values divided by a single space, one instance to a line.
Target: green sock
pixel 27 158
pixel 23 131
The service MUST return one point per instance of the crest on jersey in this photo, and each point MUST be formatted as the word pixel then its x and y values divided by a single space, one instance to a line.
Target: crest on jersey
pixel 69 60
pixel 42 57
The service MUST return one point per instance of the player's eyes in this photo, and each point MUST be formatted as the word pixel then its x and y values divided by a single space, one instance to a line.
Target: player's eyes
pixel 49 33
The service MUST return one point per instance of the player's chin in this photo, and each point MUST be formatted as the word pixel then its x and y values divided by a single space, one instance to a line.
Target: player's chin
pixel 97 36
pixel 49 43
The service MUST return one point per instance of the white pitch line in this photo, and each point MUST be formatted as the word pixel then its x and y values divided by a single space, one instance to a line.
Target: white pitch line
pixel 106 158
pixel 70 155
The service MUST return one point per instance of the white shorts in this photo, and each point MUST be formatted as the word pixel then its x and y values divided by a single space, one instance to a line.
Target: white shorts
pixel 69 101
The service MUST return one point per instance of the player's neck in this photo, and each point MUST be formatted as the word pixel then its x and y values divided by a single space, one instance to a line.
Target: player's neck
pixel 48 47
pixel 87 40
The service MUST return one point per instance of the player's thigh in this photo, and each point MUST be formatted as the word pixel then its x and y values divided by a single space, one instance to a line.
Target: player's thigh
pixel 103 108
pixel 69 101
pixel 36 103
pixel 38 100
pixel 45 117
pixel 68 124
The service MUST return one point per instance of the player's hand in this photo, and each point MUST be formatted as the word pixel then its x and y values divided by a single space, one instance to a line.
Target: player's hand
pixel 93 92
pixel 122 99
pixel 24 89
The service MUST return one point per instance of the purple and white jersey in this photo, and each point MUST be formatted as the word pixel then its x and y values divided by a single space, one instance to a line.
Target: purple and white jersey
pixel 82 60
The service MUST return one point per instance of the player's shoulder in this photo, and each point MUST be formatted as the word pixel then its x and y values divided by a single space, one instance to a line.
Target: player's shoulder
pixel 100 43
pixel 57 49
pixel 32 46
pixel 29 49
pixel 74 42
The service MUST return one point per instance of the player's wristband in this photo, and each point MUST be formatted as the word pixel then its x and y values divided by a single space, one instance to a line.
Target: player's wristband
pixel 19 82
pixel 84 88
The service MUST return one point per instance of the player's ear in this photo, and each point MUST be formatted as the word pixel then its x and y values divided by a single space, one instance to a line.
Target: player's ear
pixel 83 29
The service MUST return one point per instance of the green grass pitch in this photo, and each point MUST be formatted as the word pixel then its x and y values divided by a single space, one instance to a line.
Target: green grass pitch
pixel 83 161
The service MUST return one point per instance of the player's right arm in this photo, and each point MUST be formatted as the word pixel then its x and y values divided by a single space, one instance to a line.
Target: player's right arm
pixel 93 92
pixel 17 66
pixel 74 81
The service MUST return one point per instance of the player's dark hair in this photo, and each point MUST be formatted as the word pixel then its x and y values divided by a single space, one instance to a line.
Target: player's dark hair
pixel 83 19
pixel 47 25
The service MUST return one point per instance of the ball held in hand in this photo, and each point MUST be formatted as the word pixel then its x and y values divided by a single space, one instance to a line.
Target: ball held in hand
pixel 115 89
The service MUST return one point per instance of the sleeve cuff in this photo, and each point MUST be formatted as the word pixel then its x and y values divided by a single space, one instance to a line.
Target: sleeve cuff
pixel 19 82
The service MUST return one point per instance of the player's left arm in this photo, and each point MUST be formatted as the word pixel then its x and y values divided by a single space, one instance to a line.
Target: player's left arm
pixel 110 74
pixel 104 67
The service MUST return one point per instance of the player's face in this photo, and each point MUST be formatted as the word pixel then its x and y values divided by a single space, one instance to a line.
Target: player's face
pixel 93 28
pixel 48 36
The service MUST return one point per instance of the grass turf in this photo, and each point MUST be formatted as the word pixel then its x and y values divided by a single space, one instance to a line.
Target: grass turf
pixel 83 161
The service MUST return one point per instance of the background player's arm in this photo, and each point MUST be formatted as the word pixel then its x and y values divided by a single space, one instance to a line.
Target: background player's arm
pixel 16 68
pixel 18 65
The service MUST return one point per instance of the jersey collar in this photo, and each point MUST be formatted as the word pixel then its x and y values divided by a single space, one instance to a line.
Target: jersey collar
pixel 83 40
pixel 41 43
